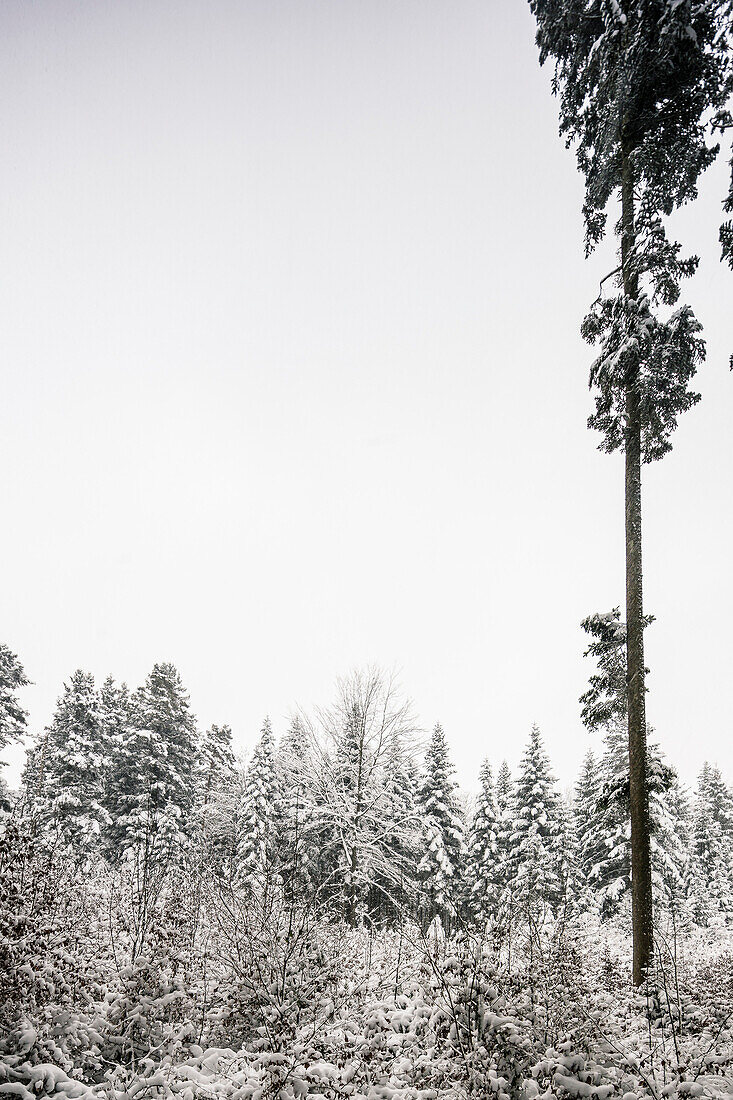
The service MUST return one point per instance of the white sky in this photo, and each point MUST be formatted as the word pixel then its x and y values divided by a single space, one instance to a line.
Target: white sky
pixel 293 382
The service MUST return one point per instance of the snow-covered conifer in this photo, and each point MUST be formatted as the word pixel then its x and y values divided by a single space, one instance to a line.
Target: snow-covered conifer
pixel 607 847
pixel 482 864
pixel 584 809
pixel 642 89
pixel 536 842
pixel 114 721
pixel 217 794
pixel 710 878
pixel 215 762
pixel 262 824
pixel 12 716
pixel 504 825
pixel 75 764
pixel 443 845
pixel 299 827
pixel 152 783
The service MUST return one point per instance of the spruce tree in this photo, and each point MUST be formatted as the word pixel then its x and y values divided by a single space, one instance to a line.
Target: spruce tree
pixel 482 866
pixel 215 762
pixel 608 843
pixel 443 843
pixel 114 720
pixel 608 840
pixel 669 826
pixel 152 783
pixel 584 807
pixel 504 827
pixel 300 844
pixel 640 82
pixel 536 841
pixel 217 784
pixel 262 826
pixel 720 800
pixel 710 879
pixel 75 765
pixel 12 716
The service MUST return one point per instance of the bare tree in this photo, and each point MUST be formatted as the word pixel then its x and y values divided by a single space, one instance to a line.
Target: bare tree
pixel 361 781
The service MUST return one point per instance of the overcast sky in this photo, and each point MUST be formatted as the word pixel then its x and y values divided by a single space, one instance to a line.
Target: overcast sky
pixel 292 377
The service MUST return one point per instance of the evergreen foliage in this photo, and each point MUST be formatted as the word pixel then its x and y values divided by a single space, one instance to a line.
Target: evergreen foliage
pixel 643 85
pixel 339 813
pixel 152 785
pixel 504 827
pixel 710 879
pixel 536 842
pixel 483 877
pixel 75 765
pixel 217 788
pixel 300 837
pixel 443 843
pixel 262 836
pixel 640 87
pixel 584 809
pixel 12 716
pixel 114 724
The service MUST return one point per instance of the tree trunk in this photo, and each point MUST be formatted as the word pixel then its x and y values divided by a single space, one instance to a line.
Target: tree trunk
pixel 641 877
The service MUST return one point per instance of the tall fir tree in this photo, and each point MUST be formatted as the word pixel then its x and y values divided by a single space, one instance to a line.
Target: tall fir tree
pixel 443 845
pixel 640 83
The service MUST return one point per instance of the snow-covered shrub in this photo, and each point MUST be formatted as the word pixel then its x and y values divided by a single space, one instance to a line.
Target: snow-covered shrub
pixel 50 976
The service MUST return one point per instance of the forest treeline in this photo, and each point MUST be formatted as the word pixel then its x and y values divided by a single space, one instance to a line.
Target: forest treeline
pixel 333 918
pixel 352 812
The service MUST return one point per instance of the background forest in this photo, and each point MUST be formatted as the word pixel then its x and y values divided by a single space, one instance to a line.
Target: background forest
pixel 334 917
